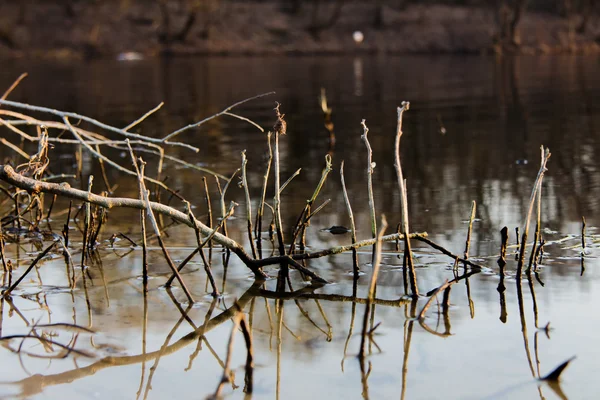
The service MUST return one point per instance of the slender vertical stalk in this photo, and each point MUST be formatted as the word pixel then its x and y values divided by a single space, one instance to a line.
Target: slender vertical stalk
pixel 502 263
pixel 261 207
pixel 356 269
pixel 404 203
pixel 370 169
pixel 280 129
pixel 537 186
pixel 304 218
pixel 582 236
pixel 248 204
pixel 470 230
pixel 87 223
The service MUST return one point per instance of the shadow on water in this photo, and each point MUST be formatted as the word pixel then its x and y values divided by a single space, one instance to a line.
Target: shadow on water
pixel 84 326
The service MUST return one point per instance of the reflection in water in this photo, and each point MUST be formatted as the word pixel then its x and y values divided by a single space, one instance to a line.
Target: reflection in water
pixel 150 341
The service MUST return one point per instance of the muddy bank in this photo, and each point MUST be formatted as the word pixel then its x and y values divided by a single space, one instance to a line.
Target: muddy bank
pixel 83 29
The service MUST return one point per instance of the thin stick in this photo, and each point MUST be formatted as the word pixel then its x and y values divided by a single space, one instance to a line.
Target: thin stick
pixel 248 204
pixel 144 247
pixel 261 207
pixel 280 129
pixel 582 236
pixel 371 295
pixel 352 224
pixel 404 202
pixel 305 216
pixel 536 186
pixel 370 169
pixel 13 86
pixel 225 111
pixel 209 218
pixel 28 270
pixel 471 218
pixel 143 117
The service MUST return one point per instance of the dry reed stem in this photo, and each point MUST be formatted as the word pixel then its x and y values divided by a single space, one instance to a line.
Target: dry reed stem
pixel 356 268
pixel 372 284
pixel 13 86
pixel 470 230
pixel 404 202
pixel 582 236
pixel 538 227
pixel 144 245
pixel 305 215
pixel 86 224
pixel 261 206
pixel 280 128
pixel 536 186
pixel 248 205
pixel 2 254
pixel 370 169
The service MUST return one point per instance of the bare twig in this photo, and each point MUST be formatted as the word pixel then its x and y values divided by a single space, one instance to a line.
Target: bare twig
pixel 536 186
pixel 470 230
pixel 404 201
pixel 13 86
pixel 351 216
pixel 248 205
pixel 370 168
pixel 223 112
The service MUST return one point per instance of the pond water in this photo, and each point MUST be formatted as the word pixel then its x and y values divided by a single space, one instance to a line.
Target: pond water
pixel 473 133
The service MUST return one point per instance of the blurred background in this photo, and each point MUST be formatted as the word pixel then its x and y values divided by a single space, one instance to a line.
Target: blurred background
pixel 84 28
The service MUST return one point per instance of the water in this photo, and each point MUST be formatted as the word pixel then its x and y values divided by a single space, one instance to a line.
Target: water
pixel 473 133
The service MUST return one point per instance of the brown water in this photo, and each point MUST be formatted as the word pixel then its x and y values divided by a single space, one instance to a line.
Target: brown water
pixel 495 114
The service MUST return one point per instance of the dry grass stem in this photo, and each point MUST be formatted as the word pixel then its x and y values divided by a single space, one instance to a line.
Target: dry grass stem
pixel 248 205
pixel 351 217
pixel 536 186
pixel 370 169
pixel 412 275
pixel 470 230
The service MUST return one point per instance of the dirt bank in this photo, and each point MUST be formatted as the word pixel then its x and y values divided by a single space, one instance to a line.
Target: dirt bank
pixel 108 28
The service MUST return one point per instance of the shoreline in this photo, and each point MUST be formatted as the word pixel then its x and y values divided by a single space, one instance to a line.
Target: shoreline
pixel 106 31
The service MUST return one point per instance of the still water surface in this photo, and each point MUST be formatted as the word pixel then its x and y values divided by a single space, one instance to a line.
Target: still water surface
pixel 473 133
